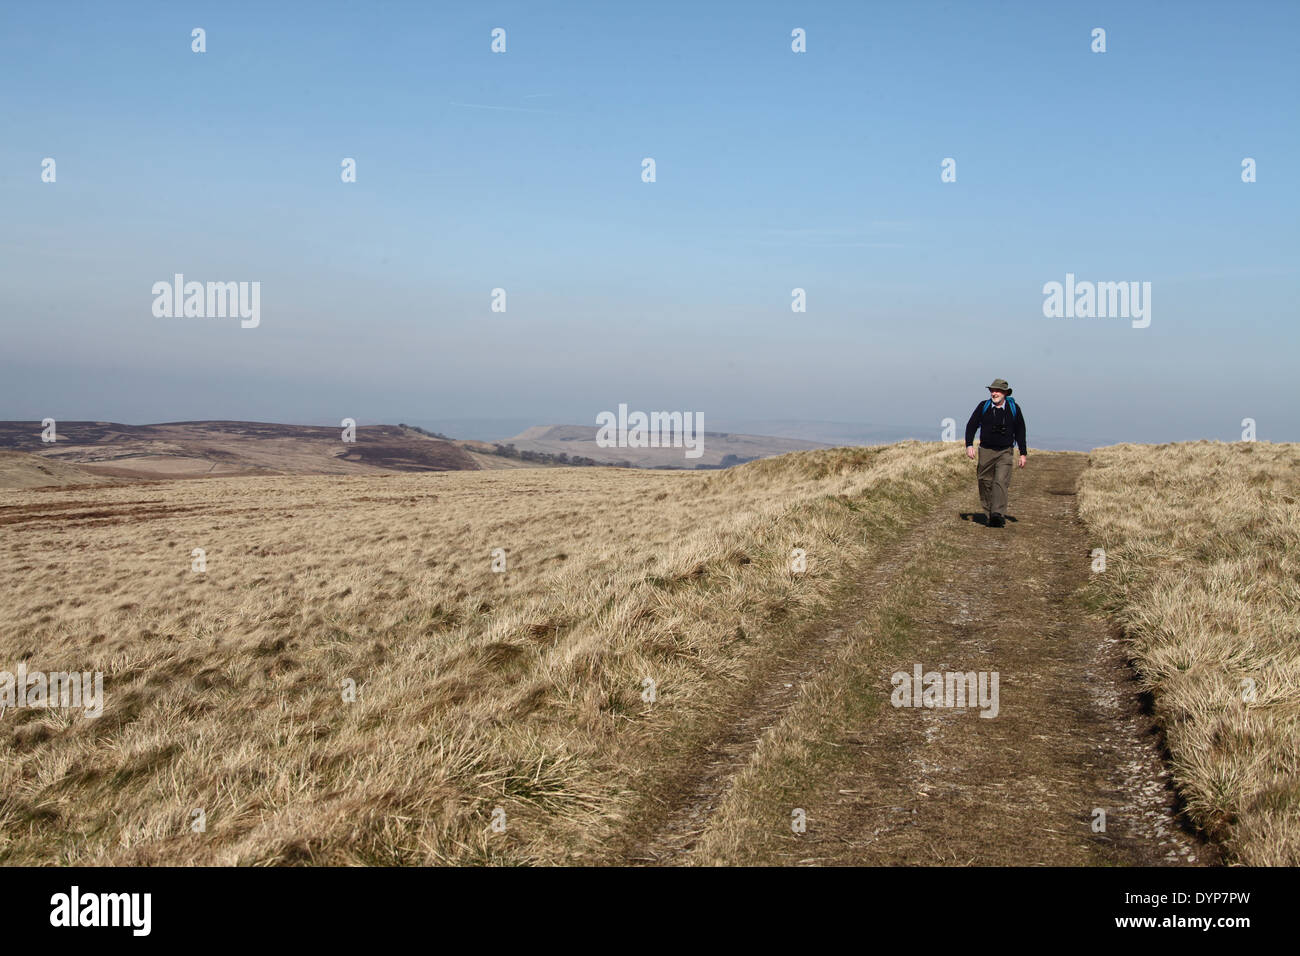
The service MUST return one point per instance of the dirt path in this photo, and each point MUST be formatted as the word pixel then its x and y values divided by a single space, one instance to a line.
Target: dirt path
pixel 945 786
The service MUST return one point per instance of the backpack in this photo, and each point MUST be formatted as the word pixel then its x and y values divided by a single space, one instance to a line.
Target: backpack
pixel 1011 405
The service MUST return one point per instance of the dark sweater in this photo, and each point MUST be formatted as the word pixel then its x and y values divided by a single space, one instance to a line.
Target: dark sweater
pixel 995 431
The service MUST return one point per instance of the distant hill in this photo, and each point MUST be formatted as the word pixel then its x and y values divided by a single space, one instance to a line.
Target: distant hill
pixel 720 449
pixel 91 451
pixel 210 448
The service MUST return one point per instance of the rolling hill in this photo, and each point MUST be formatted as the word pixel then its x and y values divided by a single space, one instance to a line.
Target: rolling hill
pixel 21 469
pixel 224 448
pixel 720 449
pixel 96 451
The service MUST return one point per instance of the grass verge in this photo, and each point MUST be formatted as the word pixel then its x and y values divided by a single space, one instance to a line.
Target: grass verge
pixel 1202 572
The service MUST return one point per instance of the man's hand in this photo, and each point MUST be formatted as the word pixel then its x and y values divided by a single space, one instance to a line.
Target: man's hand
pixel 1022 461
pixel 970 451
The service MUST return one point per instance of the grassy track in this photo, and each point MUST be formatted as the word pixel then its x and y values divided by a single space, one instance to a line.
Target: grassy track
pixel 882 785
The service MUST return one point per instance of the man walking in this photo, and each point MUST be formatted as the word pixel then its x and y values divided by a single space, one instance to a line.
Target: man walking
pixel 1001 425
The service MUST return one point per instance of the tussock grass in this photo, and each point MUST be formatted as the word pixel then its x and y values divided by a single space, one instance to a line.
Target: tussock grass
pixel 476 691
pixel 1203 573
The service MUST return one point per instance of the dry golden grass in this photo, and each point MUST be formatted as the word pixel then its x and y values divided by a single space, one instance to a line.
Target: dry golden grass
pixel 476 690
pixel 20 469
pixel 1202 545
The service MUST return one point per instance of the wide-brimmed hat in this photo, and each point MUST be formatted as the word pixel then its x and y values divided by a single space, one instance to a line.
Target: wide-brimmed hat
pixel 1001 385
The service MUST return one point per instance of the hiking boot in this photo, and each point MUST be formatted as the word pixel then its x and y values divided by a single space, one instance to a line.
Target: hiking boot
pixel 997 521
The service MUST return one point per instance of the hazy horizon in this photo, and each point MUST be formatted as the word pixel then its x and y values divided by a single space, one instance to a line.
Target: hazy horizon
pixel 843 433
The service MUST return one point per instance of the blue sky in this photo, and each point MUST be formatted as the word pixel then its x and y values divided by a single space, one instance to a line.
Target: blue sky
pixel 775 170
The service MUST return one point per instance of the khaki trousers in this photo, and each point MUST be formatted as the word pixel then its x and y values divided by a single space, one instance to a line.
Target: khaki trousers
pixel 994 473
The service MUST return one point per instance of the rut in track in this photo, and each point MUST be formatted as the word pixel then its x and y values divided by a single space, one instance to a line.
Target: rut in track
pixel 944 786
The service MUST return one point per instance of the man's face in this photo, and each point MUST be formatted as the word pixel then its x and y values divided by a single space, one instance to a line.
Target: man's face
pixel 997 396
